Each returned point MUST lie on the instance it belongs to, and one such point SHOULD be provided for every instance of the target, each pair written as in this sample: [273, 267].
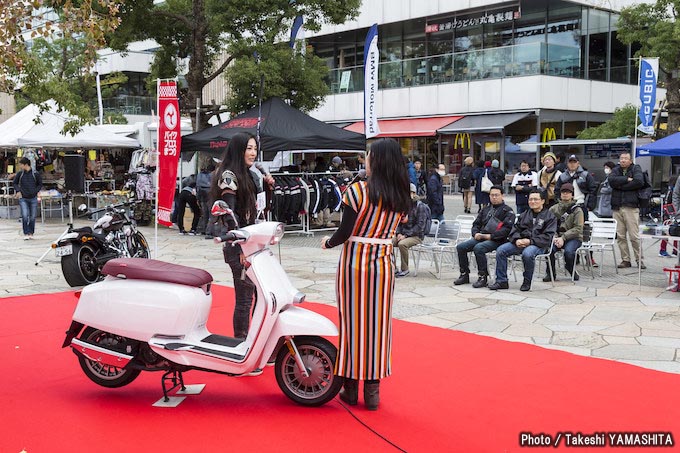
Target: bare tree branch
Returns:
[219, 70]
[183, 19]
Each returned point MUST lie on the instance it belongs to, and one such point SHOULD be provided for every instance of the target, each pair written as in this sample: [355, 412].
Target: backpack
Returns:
[465, 180]
[645, 193]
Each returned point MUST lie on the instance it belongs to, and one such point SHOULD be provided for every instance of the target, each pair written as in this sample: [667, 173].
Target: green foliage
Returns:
[622, 124]
[287, 74]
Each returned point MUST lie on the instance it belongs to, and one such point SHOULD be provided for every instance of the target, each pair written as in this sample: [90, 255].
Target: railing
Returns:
[510, 61]
[128, 105]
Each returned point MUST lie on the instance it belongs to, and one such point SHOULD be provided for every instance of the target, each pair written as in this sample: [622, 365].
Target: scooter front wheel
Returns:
[318, 356]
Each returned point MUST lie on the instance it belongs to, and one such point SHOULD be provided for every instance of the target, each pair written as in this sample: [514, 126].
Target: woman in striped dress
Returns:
[365, 278]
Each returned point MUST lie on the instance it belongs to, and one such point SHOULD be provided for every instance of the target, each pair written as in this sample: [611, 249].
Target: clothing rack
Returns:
[306, 213]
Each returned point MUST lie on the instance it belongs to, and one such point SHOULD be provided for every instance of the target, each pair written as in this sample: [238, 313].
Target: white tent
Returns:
[22, 130]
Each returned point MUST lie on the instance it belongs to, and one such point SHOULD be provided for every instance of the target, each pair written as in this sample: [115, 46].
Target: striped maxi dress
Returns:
[365, 288]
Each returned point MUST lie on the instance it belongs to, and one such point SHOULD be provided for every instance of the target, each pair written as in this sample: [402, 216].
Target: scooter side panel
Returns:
[272, 278]
[140, 309]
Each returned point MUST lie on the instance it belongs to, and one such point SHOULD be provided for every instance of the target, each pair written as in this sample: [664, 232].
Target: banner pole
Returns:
[637, 111]
[158, 168]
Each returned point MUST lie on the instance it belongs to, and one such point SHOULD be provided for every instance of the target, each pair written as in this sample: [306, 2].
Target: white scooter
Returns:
[148, 315]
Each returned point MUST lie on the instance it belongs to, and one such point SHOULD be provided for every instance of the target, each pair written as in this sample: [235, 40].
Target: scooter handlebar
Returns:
[227, 237]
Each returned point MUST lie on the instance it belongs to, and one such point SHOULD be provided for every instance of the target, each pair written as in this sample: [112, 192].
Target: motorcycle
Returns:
[84, 251]
[148, 315]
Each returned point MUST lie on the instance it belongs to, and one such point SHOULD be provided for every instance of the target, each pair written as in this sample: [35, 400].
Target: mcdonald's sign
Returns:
[462, 138]
[548, 135]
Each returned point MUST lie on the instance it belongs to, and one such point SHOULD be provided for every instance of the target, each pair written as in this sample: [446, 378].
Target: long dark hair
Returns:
[233, 159]
[389, 180]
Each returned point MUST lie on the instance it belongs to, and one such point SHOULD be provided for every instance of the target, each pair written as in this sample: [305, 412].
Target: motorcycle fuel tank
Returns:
[140, 309]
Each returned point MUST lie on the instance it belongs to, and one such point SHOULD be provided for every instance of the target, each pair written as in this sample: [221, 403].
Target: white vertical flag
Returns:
[371, 61]
[649, 71]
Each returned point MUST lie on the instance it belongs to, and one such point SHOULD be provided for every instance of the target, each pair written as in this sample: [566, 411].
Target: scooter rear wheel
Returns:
[318, 356]
[99, 373]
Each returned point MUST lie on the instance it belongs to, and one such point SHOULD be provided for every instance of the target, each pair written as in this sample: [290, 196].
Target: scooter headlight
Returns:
[278, 234]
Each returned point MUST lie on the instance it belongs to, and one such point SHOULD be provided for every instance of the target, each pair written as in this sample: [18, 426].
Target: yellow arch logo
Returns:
[548, 135]
[462, 138]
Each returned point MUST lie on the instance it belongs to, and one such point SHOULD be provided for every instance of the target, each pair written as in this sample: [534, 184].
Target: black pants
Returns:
[186, 197]
[204, 226]
[244, 289]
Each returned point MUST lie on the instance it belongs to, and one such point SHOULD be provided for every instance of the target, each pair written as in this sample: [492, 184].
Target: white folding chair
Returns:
[444, 243]
[428, 240]
[602, 238]
[465, 227]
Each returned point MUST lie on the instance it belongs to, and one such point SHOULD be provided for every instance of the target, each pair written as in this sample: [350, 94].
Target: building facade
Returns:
[490, 80]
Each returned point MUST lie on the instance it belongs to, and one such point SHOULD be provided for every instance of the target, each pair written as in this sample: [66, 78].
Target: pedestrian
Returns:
[569, 236]
[604, 201]
[489, 230]
[238, 186]
[670, 209]
[548, 176]
[435, 194]
[27, 184]
[496, 175]
[531, 235]
[481, 198]
[465, 180]
[203, 184]
[585, 186]
[187, 196]
[365, 280]
[626, 179]
[412, 232]
[523, 181]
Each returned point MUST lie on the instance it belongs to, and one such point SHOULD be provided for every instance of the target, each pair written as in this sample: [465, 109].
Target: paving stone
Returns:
[528, 330]
[668, 367]
[433, 321]
[617, 314]
[659, 341]
[483, 325]
[627, 329]
[578, 340]
[537, 303]
[635, 352]
[652, 301]
[619, 340]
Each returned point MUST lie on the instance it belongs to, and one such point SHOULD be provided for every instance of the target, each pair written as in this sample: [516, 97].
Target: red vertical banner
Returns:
[169, 141]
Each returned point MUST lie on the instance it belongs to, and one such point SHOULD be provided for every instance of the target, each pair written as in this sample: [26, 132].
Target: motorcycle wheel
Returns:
[80, 268]
[140, 247]
[318, 355]
[99, 373]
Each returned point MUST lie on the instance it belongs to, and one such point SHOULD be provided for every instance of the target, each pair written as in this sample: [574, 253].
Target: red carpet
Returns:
[450, 392]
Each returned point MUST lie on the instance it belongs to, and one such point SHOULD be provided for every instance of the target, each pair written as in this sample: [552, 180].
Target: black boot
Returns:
[526, 285]
[464, 279]
[372, 395]
[350, 392]
[481, 282]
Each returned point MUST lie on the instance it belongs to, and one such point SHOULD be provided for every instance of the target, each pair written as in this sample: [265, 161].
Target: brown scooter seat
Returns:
[160, 271]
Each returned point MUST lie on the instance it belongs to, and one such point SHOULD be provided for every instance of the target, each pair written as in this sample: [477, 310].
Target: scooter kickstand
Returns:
[177, 380]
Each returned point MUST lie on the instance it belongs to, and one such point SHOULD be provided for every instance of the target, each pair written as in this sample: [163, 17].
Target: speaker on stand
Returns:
[74, 173]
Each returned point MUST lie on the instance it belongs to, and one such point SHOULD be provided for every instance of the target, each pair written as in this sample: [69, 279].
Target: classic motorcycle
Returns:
[84, 251]
[148, 315]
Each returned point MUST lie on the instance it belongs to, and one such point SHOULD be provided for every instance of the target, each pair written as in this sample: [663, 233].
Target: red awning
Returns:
[408, 127]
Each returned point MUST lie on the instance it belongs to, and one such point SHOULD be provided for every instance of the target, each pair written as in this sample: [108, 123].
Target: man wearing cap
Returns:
[585, 187]
[335, 164]
[496, 175]
[489, 230]
[548, 176]
[412, 232]
[569, 236]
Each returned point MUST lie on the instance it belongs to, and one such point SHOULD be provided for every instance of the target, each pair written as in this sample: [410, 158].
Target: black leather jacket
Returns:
[540, 228]
[504, 220]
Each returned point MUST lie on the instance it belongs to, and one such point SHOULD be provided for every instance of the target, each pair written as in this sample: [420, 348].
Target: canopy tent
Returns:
[667, 146]
[282, 128]
[23, 130]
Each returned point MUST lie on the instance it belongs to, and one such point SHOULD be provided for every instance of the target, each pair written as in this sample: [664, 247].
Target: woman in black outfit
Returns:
[236, 185]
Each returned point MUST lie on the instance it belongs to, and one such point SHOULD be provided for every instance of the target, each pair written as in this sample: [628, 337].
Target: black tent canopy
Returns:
[282, 128]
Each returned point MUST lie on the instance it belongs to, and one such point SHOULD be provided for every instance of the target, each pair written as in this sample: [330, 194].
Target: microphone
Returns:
[262, 170]
[360, 176]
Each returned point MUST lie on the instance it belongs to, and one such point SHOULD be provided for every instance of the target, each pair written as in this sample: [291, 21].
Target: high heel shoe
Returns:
[350, 392]
[372, 395]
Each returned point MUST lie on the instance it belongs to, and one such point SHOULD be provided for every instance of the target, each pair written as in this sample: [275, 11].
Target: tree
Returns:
[23, 20]
[199, 31]
[655, 28]
[622, 124]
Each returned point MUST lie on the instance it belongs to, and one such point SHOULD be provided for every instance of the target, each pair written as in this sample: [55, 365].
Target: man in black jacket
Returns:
[412, 232]
[531, 235]
[626, 179]
[27, 184]
[489, 230]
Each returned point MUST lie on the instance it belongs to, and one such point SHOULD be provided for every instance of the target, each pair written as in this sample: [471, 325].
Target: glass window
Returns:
[390, 42]
[530, 28]
[564, 39]
[414, 39]
[598, 37]
[440, 43]
[619, 61]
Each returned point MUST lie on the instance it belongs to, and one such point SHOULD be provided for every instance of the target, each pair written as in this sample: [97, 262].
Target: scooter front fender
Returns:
[298, 321]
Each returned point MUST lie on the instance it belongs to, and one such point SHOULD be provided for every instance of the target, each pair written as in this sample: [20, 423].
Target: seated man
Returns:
[530, 236]
[489, 230]
[413, 231]
[569, 235]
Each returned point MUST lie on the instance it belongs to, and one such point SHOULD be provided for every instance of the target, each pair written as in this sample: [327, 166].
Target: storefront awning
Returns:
[494, 122]
[407, 127]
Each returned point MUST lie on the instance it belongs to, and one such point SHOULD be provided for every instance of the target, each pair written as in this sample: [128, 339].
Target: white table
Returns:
[655, 238]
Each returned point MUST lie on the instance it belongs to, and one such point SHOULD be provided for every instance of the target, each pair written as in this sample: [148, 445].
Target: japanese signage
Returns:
[168, 148]
[472, 20]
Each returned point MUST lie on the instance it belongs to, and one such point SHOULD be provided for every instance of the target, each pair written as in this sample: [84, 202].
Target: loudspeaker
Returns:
[74, 173]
